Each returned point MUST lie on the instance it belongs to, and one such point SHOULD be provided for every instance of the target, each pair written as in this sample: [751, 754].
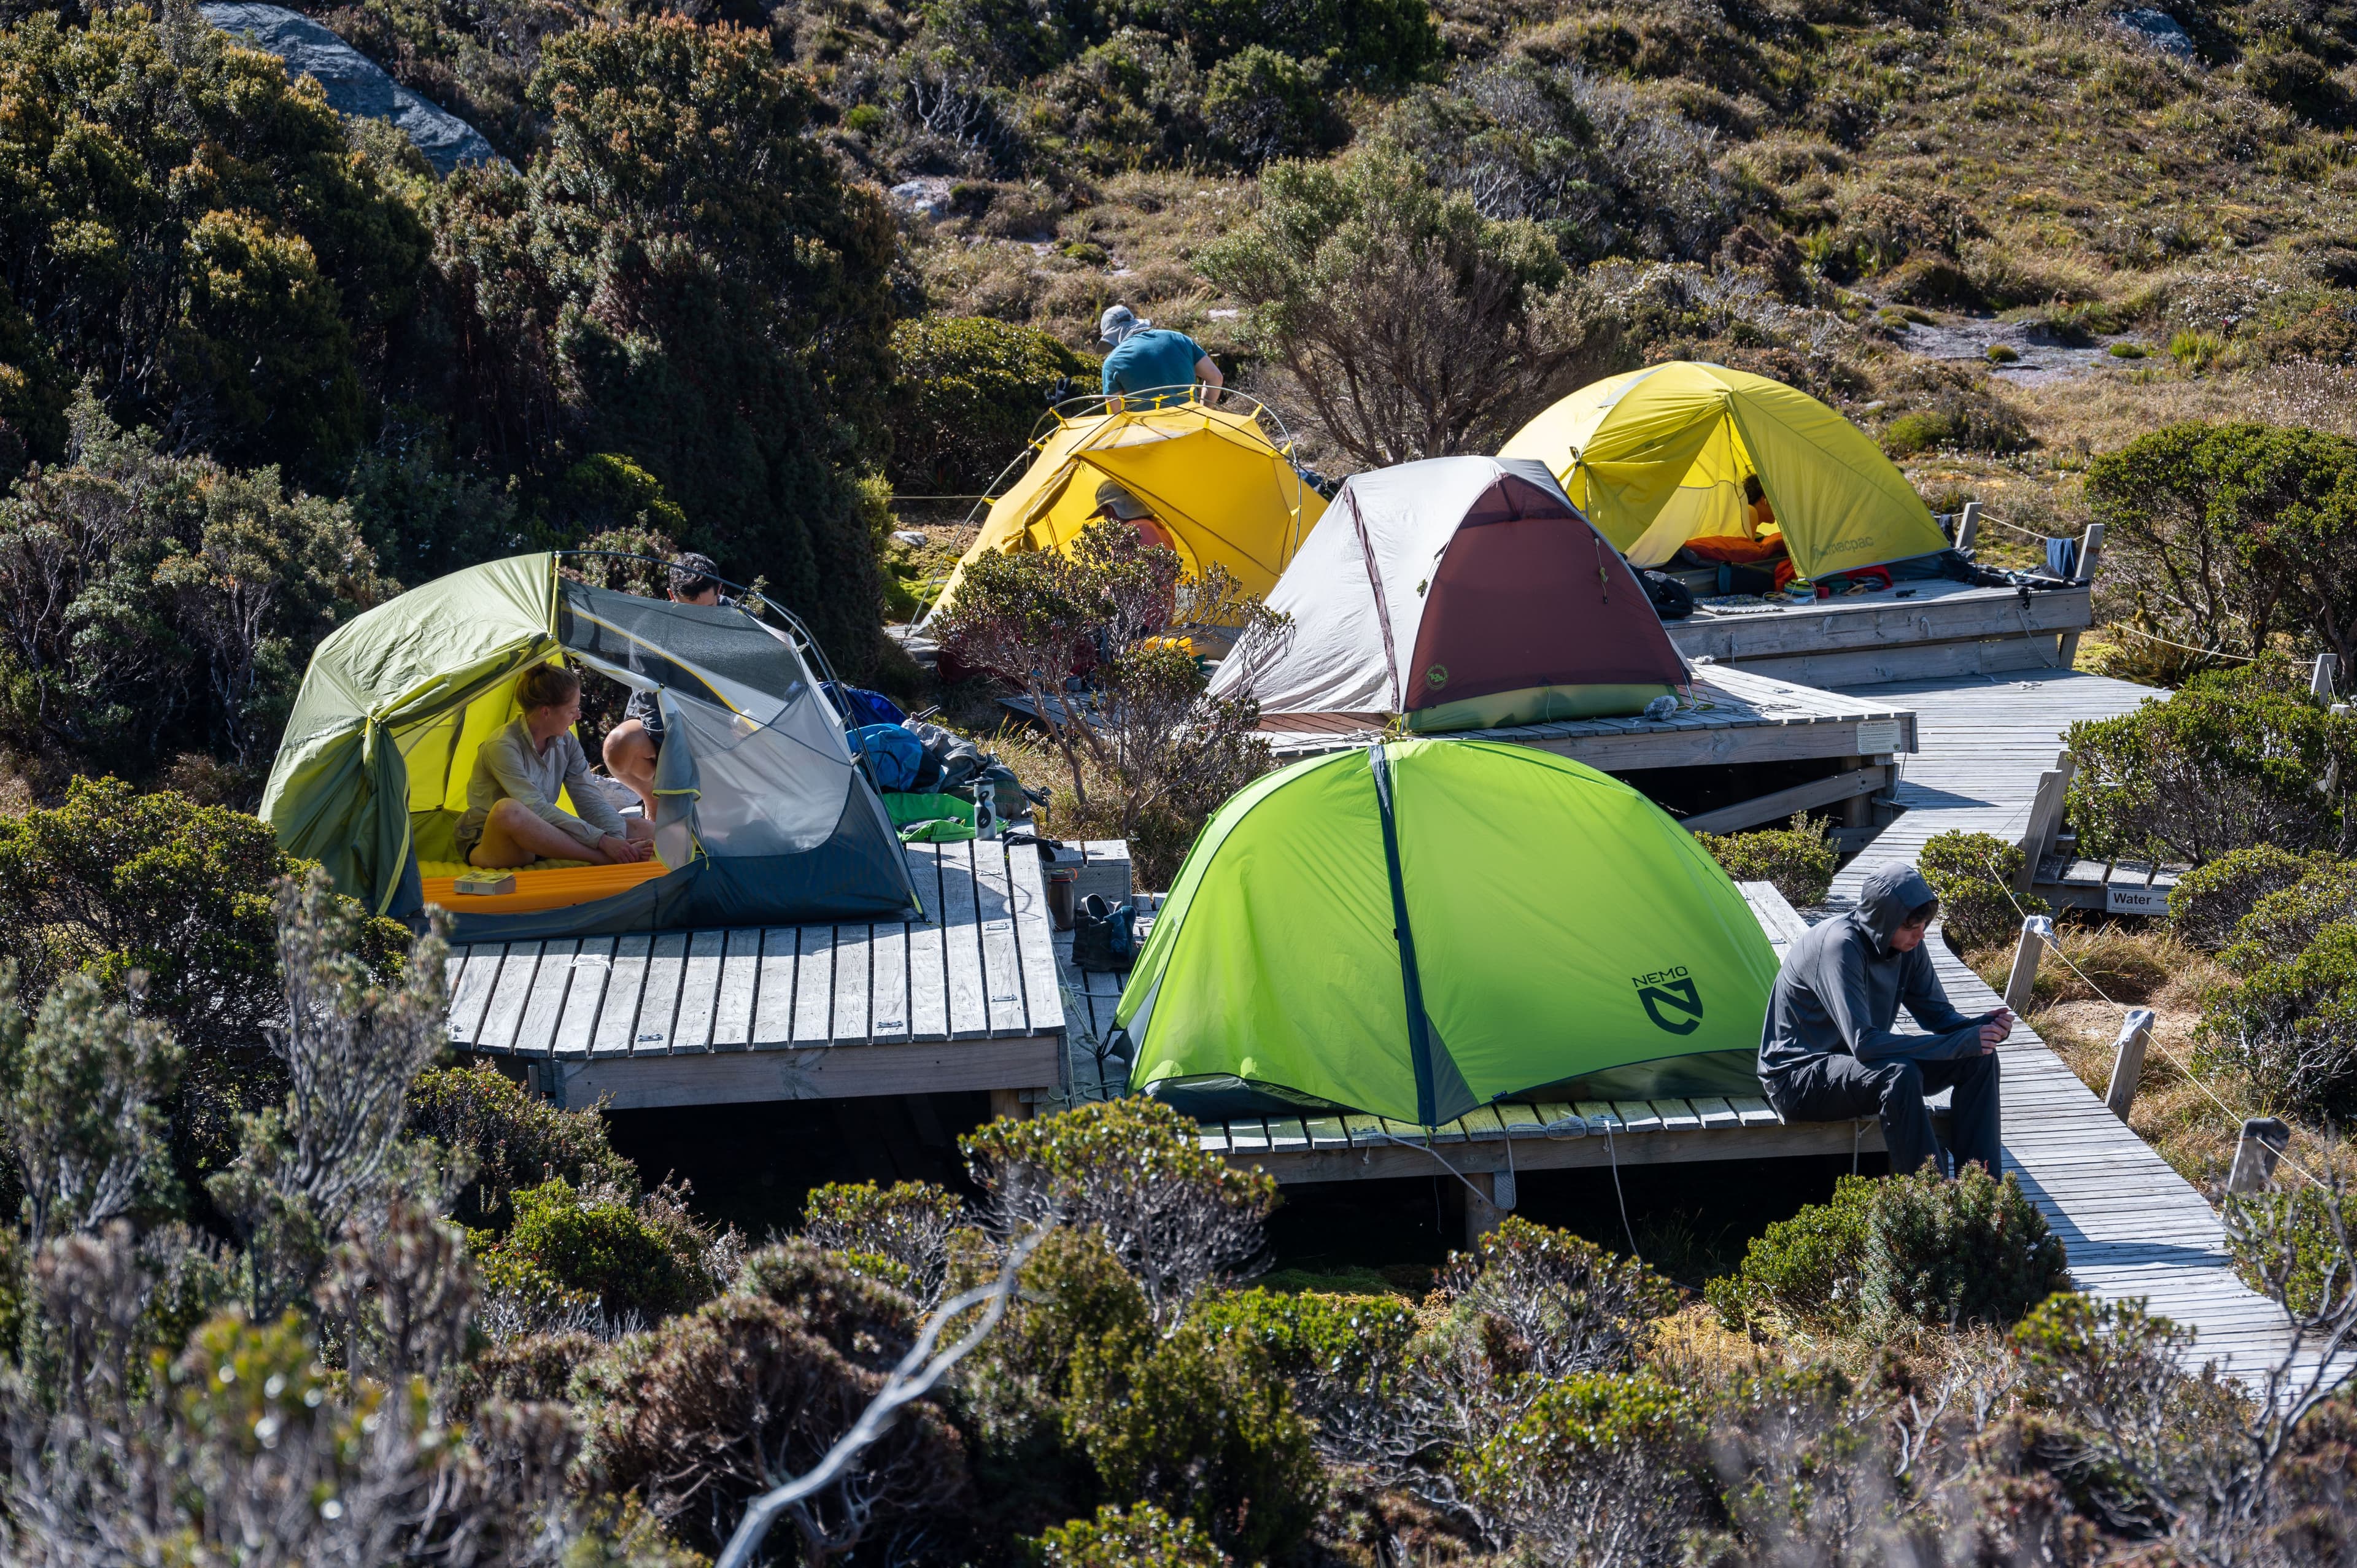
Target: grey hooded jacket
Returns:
[1842, 987]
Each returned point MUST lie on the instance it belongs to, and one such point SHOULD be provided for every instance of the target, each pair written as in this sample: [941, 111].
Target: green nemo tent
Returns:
[763, 815]
[1421, 929]
[1658, 457]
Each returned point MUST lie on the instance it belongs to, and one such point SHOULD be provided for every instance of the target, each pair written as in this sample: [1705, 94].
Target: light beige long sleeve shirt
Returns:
[509, 766]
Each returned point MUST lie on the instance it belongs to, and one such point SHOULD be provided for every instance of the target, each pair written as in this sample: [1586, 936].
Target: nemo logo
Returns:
[1437, 676]
[1672, 989]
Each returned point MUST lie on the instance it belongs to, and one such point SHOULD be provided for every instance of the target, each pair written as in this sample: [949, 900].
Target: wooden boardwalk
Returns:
[1940, 628]
[2134, 1227]
[966, 999]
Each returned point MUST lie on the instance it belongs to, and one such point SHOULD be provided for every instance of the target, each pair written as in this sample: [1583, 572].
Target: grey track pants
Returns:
[1839, 1088]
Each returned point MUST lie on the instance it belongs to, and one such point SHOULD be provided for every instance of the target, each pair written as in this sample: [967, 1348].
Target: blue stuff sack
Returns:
[896, 756]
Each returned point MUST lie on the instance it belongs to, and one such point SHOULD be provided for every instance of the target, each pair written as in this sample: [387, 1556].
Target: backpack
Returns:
[1103, 940]
[1673, 600]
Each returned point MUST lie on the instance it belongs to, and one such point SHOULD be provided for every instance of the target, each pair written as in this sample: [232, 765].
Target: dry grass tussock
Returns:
[2178, 1114]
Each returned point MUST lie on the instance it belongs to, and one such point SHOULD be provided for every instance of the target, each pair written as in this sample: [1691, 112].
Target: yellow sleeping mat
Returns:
[545, 885]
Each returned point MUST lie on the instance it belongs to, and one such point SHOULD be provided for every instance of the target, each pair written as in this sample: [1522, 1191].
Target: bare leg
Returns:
[513, 837]
[630, 757]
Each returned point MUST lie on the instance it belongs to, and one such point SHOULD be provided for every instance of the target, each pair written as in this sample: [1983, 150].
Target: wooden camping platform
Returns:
[966, 999]
[1737, 716]
[1938, 628]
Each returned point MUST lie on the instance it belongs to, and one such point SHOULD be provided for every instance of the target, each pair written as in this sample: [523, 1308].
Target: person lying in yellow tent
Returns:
[512, 817]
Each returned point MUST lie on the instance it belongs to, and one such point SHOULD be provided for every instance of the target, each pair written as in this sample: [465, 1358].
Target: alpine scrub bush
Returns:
[2290, 1024]
[2210, 901]
[2286, 922]
[967, 393]
[1313, 1336]
[1798, 860]
[1200, 1423]
[1177, 1219]
[1573, 1306]
[645, 1257]
[1599, 1469]
[2231, 761]
[1140, 1536]
[1958, 1253]
[1947, 1253]
[1972, 875]
[899, 1234]
[1805, 1268]
[511, 1138]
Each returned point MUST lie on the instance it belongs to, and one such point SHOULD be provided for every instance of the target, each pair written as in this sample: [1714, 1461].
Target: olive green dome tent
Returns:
[1658, 457]
[1428, 926]
[763, 815]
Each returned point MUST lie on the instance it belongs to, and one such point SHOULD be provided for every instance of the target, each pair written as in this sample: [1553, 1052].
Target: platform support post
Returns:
[1483, 1211]
[2326, 676]
[1008, 1104]
[2045, 819]
[2263, 1142]
[2127, 1061]
[2035, 933]
[2091, 552]
[1968, 525]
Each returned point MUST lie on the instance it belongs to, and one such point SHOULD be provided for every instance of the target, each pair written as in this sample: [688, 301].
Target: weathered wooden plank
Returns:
[1598, 1113]
[969, 1003]
[658, 1001]
[1366, 1131]
[1287, 1136]
[1522, 1121]
[1755, 1112]
[1637, 1116]
[853, 964]
[1002, 968]
[699, 990]
[1483, 1122]
[472, 993]
[773, 997]
[1212, 1137]
[739, 985]
[1716, 1113]
[617, 1020]
[1326, 1133]
[814, 984]
[888, 996]
[544, 1013]
[1677, 1116]
[510, 993]
[1043, 996]
[585, 996]
[1402, 1132]
[722, 1078]
[1247, 1136]
[929, 985]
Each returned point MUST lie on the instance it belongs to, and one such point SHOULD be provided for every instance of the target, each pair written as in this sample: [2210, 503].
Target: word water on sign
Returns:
[2134, 898]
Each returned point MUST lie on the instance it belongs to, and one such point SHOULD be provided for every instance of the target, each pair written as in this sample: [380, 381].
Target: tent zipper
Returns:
[1419, 1027]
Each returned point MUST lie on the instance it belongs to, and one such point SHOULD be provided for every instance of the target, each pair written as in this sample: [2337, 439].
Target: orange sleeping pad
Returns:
[540, 888]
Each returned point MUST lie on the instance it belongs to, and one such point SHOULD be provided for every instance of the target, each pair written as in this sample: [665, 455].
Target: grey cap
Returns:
[1112, 498]
[1118, 322]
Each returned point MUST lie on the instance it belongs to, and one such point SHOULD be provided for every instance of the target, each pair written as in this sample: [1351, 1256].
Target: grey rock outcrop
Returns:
[2158, 29]
[355, 84]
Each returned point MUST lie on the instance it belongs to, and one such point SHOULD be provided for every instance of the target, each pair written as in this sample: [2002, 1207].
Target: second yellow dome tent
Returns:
[1658, 457]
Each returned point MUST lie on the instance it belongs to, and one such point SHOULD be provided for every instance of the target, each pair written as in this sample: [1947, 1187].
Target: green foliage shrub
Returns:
[194, 230]
[81, 1098]
[750, 365]
[648, 1257]
[1130, 1171]
[1567, 1305]
[1972, 875]
[700, 1414]
[1798, 860]
[1260, 104]
[1344, 1339]
[1947, 1253]
[511, 1138]
[1140, 1536]
[1365, 43]
[2289, 1023]
[156, 605]
[2235, 759]
[899, 1234]
[1958, 1253]
[1200, 1423]
[2286, 922]
[1806, 1268]
[966, 393]
[2226, 535]
[2210, 901]
[1596, 1462]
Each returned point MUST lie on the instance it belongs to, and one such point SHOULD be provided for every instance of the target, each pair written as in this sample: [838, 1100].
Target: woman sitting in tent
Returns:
[512, 817]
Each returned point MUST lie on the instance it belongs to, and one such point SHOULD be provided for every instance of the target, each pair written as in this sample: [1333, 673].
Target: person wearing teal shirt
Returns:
[1147, 359]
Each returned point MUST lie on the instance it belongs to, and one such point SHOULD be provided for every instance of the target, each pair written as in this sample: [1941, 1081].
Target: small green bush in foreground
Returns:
[1972, 875]
[1141, 1535]
[1798, 860]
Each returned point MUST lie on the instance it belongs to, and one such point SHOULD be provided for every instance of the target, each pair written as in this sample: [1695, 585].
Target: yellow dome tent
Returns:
[1210, 476]
[1659, 457]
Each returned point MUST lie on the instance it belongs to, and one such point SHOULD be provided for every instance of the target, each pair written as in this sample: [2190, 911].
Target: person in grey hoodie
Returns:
[1828, 1052]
